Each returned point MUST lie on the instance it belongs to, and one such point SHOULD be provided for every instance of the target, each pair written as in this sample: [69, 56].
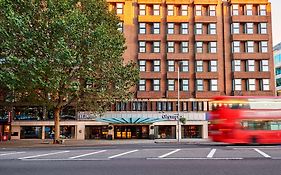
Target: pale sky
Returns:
[276, 21]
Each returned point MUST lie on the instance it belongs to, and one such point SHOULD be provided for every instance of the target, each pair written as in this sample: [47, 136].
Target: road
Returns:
[143, 160]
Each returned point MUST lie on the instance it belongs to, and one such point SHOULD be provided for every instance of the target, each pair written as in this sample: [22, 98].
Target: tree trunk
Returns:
[57, 123]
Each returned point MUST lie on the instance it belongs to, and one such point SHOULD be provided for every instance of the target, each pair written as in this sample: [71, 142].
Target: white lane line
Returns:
[195, 158]
[211, 153]
[64, 159]
[11, 153]
[88, 154]
[172, 152]
[262, 153]
[118, 155]
[41, 155]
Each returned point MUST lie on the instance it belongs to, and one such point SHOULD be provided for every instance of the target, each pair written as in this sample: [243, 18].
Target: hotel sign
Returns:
[170, 116]
[87, 115]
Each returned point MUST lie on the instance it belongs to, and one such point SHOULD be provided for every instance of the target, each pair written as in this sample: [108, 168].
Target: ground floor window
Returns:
[96, 132]
[31, 132]
[131, 132]
[66, 132]
[165, 132]
[191, 131]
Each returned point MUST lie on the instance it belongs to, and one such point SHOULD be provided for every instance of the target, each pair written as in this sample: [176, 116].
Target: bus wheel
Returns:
[254, 140]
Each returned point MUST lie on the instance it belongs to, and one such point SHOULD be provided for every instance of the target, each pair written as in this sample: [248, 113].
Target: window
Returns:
[198, 28]
[212, 47]
[156, 85]
[249, 28]
[265, 84]
[156, 28]
[141, 85]
[183, 66]
[199, 47]
[171, 47]
[237, 84]
[156, 65]
[250, 65]
[156, 10]
[142, 10]
[170, 9]
[119, 8]
[198, 10]
[184, 28]
[235, 28]
[251, 84]
[184, 85]
[156, 47]
[120, 26]
[184, 10]
[142, 48]
[262, 10]
[199, 66]
[249, 46]
[262, 28]
[184, 47]
[142, 65]
[235, 46]
[236, 65]
[249, 10]
[212, 29]
[263, 46]
[171, 28]
[212, 10]
[171, 66]
[235, 10]
[214, 85]
[171, 85]
[199, 85]
[264, 66]
[213, 66]
[142, 28]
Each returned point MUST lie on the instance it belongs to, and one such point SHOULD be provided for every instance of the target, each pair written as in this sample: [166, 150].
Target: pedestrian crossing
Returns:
[223, 153]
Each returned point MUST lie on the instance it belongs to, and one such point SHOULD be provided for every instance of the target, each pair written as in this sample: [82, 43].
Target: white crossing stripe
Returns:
[262, 153]
[211, 153]
[172, 152]
[41, 155]
[88, 154]
[5, 154]
[118, 155]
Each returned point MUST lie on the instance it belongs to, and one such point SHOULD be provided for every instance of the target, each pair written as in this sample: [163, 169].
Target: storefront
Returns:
[192, 131]
[30, 132]
[66, 132]
[165, 132]
[96, 132]
[131, 132]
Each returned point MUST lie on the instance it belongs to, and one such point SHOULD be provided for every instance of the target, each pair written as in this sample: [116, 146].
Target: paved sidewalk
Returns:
[80, 143]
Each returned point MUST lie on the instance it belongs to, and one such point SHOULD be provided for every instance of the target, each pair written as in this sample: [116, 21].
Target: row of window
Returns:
[211, 84]
[249, 28]
[199, 10]
[250, 65]
[249, 46]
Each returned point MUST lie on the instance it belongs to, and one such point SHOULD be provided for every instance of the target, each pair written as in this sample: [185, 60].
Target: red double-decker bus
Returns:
[245, 120]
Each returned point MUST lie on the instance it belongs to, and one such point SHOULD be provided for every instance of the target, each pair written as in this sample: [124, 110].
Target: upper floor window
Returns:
[184, 85]
[198, 10]
[171, 85]
[214, 85]
[171, 46]
[142, 85]
[198, 28]
[250, 65]
[213, 66]
[119, 8]
[236, 65]
[120, 26]
[184, 28]
[212, 10]
[156, 28]
[237, 84]
[199, 47]
[235, 28]
[156, 65]
[171, 28]
[142, 46]
[263, 47]
[156, 47]
[184, 10]
[262, 10]
[235, 46]
[142, 65]
[212, 29]
[142, 11]
[184, 47]
[156, 9]
[262, 28]
[235, 10]
[249, 28]
[250, 47]
[265, 84]
[264, 67]
[249, 10]
[213, 47]
[199, 85]
[142, 28]
[170, 9]
[171, 66]
[251, 84]
[156, 85]
[184, 66]
[199, 66]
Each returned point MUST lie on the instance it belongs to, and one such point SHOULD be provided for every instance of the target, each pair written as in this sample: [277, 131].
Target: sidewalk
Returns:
[86, 143]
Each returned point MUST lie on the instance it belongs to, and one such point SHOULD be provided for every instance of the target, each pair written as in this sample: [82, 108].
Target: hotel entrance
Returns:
[131, 132]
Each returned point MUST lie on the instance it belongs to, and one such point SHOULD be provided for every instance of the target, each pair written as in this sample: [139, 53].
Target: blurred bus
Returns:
[245, 120]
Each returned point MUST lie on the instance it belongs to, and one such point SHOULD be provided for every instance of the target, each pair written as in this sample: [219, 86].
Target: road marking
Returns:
[262, 153]
[83, 155]
[64, 159]
[172, 152]
[118, 155]
[211, 153]
[11, 153]
[195, 158]
[41, 155]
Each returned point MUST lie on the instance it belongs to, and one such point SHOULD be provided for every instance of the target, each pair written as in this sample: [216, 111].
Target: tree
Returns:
[63, 52]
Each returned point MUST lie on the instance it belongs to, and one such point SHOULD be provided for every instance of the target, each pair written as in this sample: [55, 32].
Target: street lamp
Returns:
[178, 121]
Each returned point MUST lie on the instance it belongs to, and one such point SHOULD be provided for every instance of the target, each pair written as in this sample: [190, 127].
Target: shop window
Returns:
[191, 131]
[31, 132]
[165, 132]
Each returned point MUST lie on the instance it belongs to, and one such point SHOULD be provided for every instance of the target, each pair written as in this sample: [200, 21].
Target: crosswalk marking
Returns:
[211, 153]
[118, 155]
[88, 154]
[169, 153]
[262, 153]
[41, 155]
[11, 153]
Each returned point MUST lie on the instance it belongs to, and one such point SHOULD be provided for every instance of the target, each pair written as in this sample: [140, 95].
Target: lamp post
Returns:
[178, 120]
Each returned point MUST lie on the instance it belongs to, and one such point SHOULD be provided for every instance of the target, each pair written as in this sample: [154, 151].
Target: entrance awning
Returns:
[130, 120]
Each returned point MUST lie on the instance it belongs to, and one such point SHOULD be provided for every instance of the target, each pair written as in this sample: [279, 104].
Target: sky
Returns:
[276, 21]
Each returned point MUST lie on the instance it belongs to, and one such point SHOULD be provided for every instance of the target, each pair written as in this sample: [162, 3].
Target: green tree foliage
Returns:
[61, 52]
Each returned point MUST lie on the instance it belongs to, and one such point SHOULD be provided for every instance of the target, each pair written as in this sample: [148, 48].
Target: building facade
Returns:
[277, 64]
[188, 51]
